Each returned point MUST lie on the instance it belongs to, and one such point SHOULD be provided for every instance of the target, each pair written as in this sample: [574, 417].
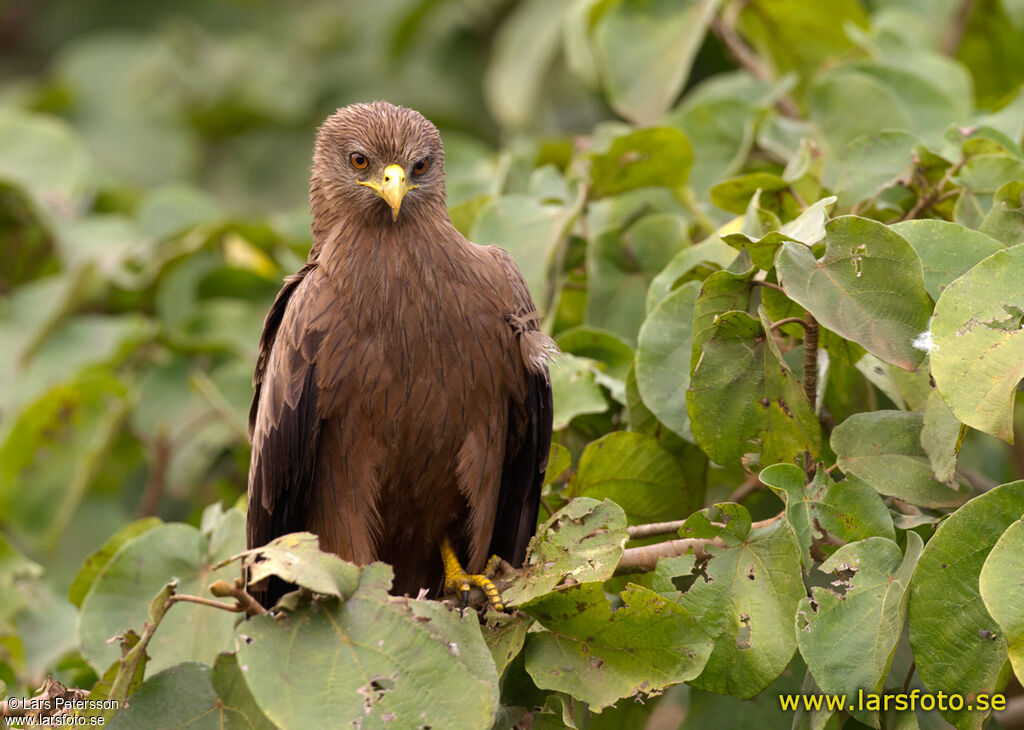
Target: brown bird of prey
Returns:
[403, 408]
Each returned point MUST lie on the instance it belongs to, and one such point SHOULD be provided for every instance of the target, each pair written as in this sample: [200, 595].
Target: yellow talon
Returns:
[456, 579]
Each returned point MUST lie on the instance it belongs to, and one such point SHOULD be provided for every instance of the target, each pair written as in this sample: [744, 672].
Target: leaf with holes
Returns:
[978, 334]
[848, 630]
[600, 655]
[581, 542]
[868, 287]
[746, 598]
[372, 657]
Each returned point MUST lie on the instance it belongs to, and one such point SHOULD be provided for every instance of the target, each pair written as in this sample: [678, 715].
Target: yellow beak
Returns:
[392, 187]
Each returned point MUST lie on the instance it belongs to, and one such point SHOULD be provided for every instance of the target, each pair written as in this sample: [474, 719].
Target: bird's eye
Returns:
[420, 167]
[358, 160]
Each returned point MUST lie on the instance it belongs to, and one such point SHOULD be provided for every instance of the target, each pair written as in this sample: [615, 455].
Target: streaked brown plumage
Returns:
[402, 388]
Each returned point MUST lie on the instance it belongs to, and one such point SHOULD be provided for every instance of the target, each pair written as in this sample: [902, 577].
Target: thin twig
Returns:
[643, 559]
[788, 320]
[725, 30]
[180, 597]
[768, 285]
[637, 532]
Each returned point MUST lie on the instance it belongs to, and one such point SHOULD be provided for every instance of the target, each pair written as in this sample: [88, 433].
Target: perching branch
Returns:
[643, 559]
[810, 325]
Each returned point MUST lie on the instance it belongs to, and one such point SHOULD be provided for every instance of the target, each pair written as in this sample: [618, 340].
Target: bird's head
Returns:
[379, 161]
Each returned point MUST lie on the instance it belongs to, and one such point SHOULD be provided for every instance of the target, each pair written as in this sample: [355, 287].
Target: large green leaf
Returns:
[712, 251]
[868, 287]
[946, 249]
[599, 654]
[848, 630]
[742, 399]
[524, 48]
[42, 154]
[884, 449]
[1002, 590]
[825, 512]
[958, 647]
[978, 355]
[658, 156]
[746, 600]
[407, 662]
[663, 358]
[620, 266]
[117, 600]
[635, 472]
[191, 695]
[644, 79]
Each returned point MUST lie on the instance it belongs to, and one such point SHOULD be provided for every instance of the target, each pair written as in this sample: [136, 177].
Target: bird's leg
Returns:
[456, 579]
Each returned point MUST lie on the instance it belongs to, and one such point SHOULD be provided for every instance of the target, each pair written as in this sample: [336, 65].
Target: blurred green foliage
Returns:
[672, 177]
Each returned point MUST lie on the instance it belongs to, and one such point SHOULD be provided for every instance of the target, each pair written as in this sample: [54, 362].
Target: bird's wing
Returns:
[529, 427]
[283, 422]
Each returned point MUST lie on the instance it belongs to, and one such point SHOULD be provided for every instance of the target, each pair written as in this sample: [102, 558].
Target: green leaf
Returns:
[574, 388]
[297, 558]
[663, 356]
[742, 399]
[1005, 221]
[807, 228]
[101, 556]
[847, 103]
[620, 266]
[635, 472]
[186, 696]
[978, 355]
[848, 630]
[42, 154]
[869, 164]
[884, 449]
[413, 662]
[1003, 591]
[868, 287]
[644, 79]
[947, 250]
[735, 194]
[941, 434]
[958, 646]
[658, 156]
[173, 209]
[721, 292]
[522, 52]
[583, 541]
[824, 511]
[721, 131]
[528, 230]
[747, 602]
[613, 354]
[711, 251]
[799, 36]
[505, 636]
[600, 655]
[118, 597]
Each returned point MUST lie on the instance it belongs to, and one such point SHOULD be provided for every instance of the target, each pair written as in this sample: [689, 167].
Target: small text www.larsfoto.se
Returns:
[871, 702]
